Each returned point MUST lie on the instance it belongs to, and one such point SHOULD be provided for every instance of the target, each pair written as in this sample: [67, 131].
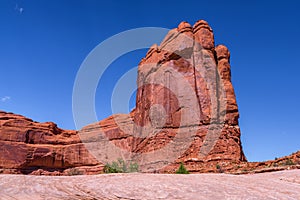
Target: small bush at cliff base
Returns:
[289, 162]
[121, 166]
[219, 168]
[182, 170]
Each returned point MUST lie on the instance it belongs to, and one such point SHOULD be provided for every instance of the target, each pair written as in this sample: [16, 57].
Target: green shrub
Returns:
[133, 167]
[289, 162]
[219, 168]
[120, 166]
[182, 169]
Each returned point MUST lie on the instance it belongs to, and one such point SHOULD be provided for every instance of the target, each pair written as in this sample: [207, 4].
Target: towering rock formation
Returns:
[186, 111]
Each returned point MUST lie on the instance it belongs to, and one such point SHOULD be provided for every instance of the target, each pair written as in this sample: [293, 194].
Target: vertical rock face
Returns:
[184, 85]
[186, 111]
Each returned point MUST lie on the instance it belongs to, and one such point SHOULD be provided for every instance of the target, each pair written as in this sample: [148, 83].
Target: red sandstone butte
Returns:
[186, 111]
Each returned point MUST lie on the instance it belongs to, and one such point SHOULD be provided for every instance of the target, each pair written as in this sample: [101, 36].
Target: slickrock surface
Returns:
[275, 185]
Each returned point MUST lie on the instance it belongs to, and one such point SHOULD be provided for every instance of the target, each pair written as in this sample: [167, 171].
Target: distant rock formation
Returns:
[186, 111]
[31, 147]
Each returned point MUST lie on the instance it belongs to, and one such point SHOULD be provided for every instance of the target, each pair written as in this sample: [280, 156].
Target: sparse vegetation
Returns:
[275, 165]
[74, 171]
[289, 162]
[182, 169]
[238, 167]
[120, 166]
[219, 168]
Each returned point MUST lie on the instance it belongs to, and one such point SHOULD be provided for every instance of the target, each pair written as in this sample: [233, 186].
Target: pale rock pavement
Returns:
[274, 185]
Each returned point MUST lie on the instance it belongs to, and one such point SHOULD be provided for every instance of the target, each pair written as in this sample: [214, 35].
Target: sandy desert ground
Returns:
[274, 185]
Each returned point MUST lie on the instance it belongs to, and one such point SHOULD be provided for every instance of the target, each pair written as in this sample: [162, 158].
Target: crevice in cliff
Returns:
[28, 140]
[217, 86]
[195, 81]
[27, 137]
[53, 157]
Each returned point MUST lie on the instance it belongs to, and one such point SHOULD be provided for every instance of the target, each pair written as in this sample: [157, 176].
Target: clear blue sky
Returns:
[43, 44]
